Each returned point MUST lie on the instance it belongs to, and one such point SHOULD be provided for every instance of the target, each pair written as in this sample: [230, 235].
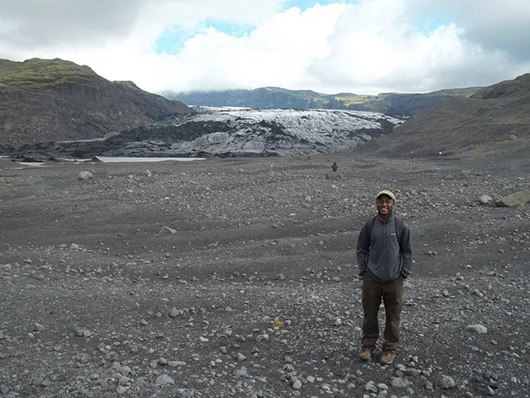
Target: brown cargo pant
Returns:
[392, 295]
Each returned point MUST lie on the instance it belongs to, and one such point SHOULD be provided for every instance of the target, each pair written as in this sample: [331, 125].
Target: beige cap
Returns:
[387, 193]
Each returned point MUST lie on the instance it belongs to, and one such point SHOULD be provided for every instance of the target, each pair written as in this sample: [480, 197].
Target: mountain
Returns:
[47, 106]
[231, 132]
[44, 100]
[279, 98]
[493, 122]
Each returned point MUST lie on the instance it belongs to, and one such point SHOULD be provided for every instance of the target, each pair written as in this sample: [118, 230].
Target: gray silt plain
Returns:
[237, 278]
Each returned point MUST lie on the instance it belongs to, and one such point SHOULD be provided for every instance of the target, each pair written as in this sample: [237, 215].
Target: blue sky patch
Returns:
[173, 39]
[305, 4]
[430, 23]
[229, 28]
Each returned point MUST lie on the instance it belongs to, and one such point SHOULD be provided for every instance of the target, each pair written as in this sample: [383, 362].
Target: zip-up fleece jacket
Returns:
[381, 253]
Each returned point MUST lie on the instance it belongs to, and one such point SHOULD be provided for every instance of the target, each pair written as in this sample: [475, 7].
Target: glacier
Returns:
[262, 132]
[229, 132]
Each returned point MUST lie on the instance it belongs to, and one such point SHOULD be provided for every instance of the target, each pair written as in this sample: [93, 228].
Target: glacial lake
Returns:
[108, 159]
[105, 159]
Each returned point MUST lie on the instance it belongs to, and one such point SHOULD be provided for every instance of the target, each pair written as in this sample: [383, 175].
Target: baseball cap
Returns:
[387, 193]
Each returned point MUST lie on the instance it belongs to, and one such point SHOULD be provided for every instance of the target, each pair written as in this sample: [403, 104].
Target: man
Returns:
[384, 254]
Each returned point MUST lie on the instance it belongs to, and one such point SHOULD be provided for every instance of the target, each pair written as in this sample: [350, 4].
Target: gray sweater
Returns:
[381, 253]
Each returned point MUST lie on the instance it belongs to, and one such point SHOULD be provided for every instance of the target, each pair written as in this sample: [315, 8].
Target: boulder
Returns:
[485, 200]
[446, 382]
[333, 175]
[477, 329]
[515, 199]
[167, 230]
[85, 175]
[400, 382]
[164, 380]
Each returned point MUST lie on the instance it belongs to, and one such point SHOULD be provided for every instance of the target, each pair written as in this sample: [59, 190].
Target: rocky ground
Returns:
[237, 278]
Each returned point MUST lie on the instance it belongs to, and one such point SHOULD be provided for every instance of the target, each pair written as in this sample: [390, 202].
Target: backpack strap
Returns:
[398, 223]
[369, 226]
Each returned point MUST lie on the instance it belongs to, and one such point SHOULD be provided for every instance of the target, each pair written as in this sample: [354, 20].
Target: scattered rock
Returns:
[297, 384]
[485, 200]
[173, 313]
[370, 387]
[176, 364]
[333, 175]
[477, 329]
[399, 382]
[85, 175]
[167, 230]
[38, 327]
[83, 332]
[285, 302]
[164, 380]
[446, 382]
[184, 393]
[241, 372]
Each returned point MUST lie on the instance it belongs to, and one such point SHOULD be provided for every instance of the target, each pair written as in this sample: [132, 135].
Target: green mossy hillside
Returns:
[35, 73]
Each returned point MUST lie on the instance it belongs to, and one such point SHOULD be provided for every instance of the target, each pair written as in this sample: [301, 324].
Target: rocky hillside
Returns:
[279, 98]
[49, 100]
[517, 89]
[495, 121]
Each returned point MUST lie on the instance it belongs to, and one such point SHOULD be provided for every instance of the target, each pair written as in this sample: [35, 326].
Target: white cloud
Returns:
[276, 53]
[57, 23]
[367, 46]
[379, 46]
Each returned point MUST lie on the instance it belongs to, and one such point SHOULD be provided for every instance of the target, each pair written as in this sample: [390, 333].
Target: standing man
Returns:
[384, 254]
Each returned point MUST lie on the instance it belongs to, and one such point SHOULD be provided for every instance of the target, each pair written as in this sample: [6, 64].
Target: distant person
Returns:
[384, 254]
[333, 174]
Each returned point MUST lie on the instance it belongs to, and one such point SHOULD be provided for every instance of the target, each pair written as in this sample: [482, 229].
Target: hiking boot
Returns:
[365, 355]
[387, 358]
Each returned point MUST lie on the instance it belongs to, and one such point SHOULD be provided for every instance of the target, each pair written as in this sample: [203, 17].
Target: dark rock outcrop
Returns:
[50, 100]
[516, 89]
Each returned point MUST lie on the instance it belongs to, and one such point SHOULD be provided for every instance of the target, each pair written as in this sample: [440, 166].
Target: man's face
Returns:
[385, 204]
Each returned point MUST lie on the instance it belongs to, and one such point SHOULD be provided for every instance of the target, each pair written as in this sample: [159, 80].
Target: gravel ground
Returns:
[238, 278]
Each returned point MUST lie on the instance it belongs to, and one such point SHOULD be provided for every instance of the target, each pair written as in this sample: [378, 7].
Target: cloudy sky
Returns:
[330, 46]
